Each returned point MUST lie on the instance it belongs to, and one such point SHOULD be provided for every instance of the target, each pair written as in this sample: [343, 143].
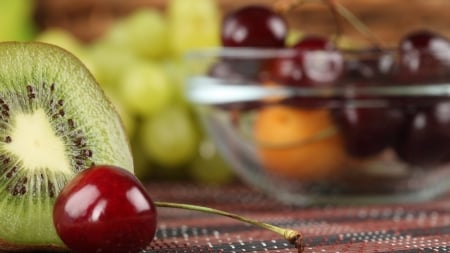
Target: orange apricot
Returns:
[299, 143]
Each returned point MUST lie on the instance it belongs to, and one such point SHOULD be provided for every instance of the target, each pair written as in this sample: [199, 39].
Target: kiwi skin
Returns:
[48, 96]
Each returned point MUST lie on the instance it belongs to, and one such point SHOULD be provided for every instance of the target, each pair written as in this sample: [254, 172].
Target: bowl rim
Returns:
[204, 89]
[213, 91]
[261, 53]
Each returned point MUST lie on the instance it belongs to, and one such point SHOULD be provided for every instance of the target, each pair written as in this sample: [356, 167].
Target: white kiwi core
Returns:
[37, 146]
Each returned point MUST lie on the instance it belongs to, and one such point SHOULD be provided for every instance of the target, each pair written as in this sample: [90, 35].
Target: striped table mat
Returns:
[399, 228]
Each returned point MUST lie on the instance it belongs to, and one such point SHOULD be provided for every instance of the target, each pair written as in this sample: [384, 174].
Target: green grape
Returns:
[208, 167]
[193, 24]
[128, 121]
[66, 40]
[176, 71]
[143, 169]
[143, 33]
[16, 20]
[147, 33]
[116, 36]
[61, 38]
[145, 88]
[110, 61]
[170, 139]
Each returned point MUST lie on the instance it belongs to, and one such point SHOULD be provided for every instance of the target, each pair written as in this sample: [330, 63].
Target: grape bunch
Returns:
[138, 61]
[415, 128]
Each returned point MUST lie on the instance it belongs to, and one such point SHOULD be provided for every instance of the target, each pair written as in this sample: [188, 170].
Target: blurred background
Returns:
[134, 48]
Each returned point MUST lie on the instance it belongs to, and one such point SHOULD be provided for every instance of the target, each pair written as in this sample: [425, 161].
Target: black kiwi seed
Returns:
[6, 160]
[71, 124]
[51, 189]
[11, 172]
[31, 92]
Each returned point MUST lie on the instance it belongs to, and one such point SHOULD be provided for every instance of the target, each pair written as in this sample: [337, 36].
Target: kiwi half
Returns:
[55, 121]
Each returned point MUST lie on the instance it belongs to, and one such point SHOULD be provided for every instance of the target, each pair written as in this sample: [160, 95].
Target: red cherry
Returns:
[254, 26]
[424, 57]
[315, 64]
[367, 131]
[322, 64]
[426, 139]
[314, 42]
[105, 209]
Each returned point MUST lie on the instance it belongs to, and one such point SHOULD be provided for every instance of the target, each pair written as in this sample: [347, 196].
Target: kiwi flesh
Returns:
[55, 121]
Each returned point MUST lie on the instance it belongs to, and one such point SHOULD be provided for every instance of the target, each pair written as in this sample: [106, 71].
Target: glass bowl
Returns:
[328, 126]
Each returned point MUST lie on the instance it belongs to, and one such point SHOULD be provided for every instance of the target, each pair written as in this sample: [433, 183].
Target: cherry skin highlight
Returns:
[254, 26]
[424, 57]
[105, 209]
[316, 64]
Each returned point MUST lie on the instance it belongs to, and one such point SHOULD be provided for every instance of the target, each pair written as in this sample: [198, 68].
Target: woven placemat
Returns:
[406, 228]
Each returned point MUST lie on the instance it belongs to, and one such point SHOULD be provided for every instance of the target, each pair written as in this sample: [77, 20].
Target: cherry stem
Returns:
[356, 22]
[336, 8]
[294, 237]
[287, 5]
[338, 25]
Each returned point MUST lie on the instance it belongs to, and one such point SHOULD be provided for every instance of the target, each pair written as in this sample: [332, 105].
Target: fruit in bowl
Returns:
[299, 143]
[313, 122]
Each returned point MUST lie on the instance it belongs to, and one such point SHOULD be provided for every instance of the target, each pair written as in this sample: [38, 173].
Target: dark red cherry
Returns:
[321, 63]
[284, 70]
[424, 57]
[254, 26]
[426, 141]
[423, 40]
[314, 42]
[367, 131]
[105, 209]
[322, 68]
[313, 63]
